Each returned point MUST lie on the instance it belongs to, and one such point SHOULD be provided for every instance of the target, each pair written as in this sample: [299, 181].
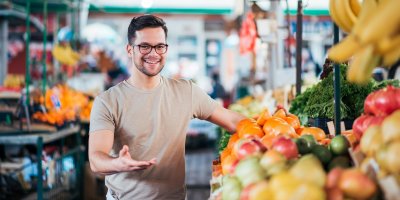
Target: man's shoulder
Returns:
[112, 91]
[177, 82]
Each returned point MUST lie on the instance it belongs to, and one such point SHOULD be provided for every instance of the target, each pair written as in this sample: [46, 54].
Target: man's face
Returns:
[150, 63]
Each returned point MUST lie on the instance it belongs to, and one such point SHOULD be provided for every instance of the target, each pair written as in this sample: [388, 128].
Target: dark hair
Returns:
[145, 21]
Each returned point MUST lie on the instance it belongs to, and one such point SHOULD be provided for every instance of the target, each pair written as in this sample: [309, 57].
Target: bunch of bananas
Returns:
[65, 55]
[373, 38]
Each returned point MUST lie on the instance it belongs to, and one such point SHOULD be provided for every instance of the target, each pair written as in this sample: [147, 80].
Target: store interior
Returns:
[311, 77]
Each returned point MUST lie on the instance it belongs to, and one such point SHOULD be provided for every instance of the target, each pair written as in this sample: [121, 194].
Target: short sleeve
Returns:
[202, 104]
[101, 117]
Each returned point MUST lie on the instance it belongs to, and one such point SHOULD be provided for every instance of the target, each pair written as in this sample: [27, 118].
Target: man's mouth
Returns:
[151, 61]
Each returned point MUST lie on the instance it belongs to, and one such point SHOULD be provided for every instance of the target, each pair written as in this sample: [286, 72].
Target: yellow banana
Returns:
[391, 57]
[384, 21]
[387, 44]
[342, 51]
[355, 6]
[367, 8]
[343, 8]
[362, 65]
[334, 15]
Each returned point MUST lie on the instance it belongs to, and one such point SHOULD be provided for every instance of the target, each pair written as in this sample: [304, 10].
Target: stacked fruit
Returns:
[373, 35]
[379, 130]
[63, 104]
[274, 157]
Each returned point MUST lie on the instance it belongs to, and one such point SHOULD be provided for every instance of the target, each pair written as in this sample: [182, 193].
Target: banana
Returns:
[334, 15]
[391, 57]
[384, 22]
[367, 8]
[387, 44]
[343, 8]
[362, 65]
[355, 7]
[342, 51]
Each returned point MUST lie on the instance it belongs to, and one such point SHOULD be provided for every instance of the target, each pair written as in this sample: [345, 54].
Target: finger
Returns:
[138, 168]
[153, 161]
[124, 150]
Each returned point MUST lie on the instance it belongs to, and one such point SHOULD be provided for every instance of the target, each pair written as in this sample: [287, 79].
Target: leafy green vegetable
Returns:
[384, 83]
[223, 141]
[318, 101]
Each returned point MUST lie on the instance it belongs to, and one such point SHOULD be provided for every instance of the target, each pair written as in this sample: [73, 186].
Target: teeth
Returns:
[151, 61]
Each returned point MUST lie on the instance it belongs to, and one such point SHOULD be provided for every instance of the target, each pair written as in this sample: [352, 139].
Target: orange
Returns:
[325, 141]
[298, 130]
[318, 133]
[232, 140]
[294, 122]
[251, 130]
[281, 113]
[267, 141]
[228, 165]
[263, 117]
[244, 122]
[351, 137]
[277, 126]
[225, 153]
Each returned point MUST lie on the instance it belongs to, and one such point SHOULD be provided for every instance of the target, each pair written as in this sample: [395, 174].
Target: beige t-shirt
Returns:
[153, 124]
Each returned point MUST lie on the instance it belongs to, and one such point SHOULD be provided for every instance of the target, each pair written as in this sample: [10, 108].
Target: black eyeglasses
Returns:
[145, 48]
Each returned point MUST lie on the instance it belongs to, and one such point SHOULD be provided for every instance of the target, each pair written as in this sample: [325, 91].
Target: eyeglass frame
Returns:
[151, 48]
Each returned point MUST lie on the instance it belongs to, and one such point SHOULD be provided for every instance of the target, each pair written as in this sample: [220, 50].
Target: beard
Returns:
[141, 67]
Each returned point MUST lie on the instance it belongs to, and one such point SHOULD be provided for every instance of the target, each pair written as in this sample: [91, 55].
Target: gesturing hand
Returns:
[126, 163]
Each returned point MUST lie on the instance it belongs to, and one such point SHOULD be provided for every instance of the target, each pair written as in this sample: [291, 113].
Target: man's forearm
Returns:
[102, 163]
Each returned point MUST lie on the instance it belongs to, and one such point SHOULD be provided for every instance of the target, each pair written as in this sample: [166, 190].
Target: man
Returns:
[138, 127]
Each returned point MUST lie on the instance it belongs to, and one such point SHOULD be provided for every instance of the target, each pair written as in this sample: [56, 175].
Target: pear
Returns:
[231, 188]
[309, 169]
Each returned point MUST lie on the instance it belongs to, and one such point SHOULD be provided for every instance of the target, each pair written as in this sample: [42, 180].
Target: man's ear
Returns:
[129, 50]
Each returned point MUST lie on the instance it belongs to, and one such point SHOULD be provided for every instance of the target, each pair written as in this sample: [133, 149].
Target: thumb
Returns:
[124, 150]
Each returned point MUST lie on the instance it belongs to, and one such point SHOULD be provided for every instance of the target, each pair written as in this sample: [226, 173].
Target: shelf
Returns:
[58, 193]
[33, 138]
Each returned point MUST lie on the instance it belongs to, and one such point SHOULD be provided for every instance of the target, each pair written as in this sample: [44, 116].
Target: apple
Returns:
[332, 180]
[334, 194]
[248, 147]
[357, 185]
[286, 147]
[271, 158]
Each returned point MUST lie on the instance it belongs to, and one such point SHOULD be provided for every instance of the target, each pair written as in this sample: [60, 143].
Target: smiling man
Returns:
[138, 127]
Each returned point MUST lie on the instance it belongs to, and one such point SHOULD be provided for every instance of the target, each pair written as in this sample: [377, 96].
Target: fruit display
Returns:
[379, 131]
[373, 35]
[62, 104]
[274, 157]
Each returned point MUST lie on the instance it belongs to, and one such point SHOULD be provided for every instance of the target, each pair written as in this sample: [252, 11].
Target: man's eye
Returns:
[160, 46]
[145, 47]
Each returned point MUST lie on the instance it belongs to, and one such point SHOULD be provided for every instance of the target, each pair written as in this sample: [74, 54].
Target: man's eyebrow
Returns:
[145, 43]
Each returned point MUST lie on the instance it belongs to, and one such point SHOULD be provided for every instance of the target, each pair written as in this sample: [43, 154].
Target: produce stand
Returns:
[59, 186]
[363, 154]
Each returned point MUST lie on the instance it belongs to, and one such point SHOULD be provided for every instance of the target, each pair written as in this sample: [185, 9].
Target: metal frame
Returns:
[39, 139]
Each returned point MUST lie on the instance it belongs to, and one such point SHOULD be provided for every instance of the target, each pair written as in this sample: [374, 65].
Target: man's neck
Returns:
[145, 82]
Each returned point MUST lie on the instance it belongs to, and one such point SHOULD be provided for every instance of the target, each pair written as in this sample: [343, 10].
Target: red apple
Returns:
[248, 147]
[356, 185]
[286, 147]
[334, 194]
[332, 180]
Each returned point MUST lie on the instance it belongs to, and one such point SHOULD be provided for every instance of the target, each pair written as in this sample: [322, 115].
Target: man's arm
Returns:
[225, 118]
[100, 144]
